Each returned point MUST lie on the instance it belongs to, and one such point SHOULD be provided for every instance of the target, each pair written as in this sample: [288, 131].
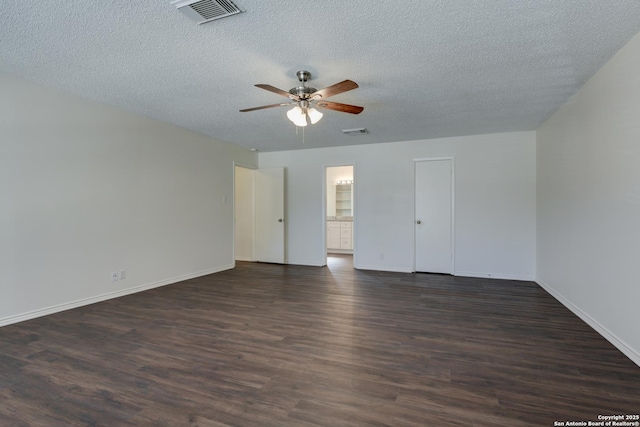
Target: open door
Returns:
[269, 215]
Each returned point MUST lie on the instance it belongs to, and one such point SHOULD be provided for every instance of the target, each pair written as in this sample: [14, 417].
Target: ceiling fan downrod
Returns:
[303, 76]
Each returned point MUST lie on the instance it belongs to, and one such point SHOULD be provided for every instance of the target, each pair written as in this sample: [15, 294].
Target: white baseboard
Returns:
[494, 276]
[606, 333]
[241, 258]
[384, 268]
[98, 298]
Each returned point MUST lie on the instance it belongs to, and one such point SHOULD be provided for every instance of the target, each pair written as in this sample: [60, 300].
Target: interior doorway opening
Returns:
[259, 215]
[339, 215]
[243, 220]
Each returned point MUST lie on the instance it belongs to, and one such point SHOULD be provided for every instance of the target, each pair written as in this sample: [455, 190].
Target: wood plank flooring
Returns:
[272, 345]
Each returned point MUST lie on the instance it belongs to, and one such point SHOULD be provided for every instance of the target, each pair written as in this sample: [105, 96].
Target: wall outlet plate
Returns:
[123, 274]
[114, 276]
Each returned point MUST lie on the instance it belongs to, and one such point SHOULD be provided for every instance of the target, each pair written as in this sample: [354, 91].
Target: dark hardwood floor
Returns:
[273, 345]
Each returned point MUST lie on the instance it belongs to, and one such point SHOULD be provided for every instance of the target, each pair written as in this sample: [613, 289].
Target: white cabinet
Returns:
[333, 234]
[340, 235]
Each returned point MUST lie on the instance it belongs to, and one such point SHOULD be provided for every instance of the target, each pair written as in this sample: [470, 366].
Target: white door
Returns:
[433, 221]
[269, 214]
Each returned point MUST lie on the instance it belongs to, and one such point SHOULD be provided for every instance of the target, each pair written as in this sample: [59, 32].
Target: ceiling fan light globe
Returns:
[301, 121]
[314, 115]
[295, 113]
[297, 116]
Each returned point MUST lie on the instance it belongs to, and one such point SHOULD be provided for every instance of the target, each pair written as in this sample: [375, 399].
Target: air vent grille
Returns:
[358, 131]
[203, 11]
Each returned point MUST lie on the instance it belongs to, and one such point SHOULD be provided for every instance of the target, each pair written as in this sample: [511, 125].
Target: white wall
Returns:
[494, 196]
[86, 189]
[589, 201]
[244, 214]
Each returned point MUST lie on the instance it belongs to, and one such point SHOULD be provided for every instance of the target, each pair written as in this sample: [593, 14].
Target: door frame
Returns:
[324, 211]
[453, 208]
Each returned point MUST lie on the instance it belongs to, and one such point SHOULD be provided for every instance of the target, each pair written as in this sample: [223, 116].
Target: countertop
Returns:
[339, 218]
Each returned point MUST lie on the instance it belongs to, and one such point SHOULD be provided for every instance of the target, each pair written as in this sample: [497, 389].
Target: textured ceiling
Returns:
[426, 68]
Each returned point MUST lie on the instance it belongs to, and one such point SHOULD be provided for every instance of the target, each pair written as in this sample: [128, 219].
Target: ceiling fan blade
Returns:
[343, 108]
[265, 106]
[334, 89]
[277, 91]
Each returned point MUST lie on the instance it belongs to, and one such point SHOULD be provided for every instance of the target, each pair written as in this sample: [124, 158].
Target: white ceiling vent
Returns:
[203, 11]
[358, 131]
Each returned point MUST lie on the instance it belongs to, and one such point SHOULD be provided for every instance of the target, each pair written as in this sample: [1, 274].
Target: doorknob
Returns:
[418, 222]
[279, 219]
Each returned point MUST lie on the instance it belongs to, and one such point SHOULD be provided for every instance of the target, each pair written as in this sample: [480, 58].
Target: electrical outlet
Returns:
[123, 274]
[381, 255]
[114, 276]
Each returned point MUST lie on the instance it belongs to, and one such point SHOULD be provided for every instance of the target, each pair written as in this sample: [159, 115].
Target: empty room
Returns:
[277, 213]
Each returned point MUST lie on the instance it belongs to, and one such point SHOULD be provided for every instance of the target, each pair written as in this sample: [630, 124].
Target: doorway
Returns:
[243, 220]
[259, 215]
[434, 214]
[339, 215]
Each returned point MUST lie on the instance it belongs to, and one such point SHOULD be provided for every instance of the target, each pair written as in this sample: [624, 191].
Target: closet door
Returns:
[433, 216]
[269, 214]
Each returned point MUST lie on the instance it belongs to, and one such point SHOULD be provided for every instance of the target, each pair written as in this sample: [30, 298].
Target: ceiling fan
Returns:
[305, 98]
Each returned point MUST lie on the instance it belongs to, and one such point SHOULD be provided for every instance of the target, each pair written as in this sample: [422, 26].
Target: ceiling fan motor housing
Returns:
[302, 92]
